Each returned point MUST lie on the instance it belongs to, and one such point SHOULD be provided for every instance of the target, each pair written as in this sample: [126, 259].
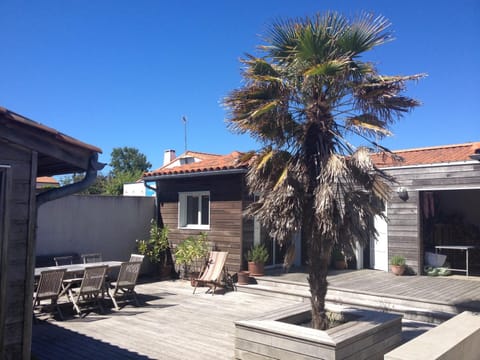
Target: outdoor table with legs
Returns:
[77, 269]
[461, 248]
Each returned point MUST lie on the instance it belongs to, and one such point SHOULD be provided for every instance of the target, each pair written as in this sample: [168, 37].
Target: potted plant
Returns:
[397, 264]
[339, 259]
[257, 256]
[191, 254]
[243, 277]
[155, 249]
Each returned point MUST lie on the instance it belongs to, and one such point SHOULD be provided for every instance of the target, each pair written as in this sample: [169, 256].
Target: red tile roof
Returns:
[47, 180]
[208, 162]
[429, 155]
[235, 160]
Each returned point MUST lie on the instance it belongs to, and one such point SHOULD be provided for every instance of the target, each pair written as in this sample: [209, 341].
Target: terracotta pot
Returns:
[256, 269]
[340, 264]
[397, 269]
[243, 278]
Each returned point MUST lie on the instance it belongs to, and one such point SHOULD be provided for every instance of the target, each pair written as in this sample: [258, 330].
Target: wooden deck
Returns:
[457, 291]
[172, 323]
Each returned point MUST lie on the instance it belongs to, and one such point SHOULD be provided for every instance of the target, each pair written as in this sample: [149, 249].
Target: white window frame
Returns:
[182, 210]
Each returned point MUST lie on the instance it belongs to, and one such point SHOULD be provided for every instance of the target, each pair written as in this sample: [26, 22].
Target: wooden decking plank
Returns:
[199, 326]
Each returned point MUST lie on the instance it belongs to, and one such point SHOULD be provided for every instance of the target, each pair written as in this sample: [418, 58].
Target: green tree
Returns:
[97, 188]
[305, 100]
[114, 183]
[128, 160]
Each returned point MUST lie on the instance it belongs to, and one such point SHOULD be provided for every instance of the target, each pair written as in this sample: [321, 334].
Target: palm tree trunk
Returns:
[319, 259]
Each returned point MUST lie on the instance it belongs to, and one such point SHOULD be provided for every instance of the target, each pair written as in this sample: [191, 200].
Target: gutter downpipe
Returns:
[158, 218]
[90, 176]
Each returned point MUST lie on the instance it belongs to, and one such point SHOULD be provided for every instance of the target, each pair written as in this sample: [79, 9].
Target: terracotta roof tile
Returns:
[429, 155]
[47, 180]
[207, 162]
[234, 160]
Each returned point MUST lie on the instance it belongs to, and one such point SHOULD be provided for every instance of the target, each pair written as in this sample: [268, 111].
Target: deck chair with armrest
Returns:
[213, 272]
[49, 288]
[91, 258]
[70, 278]
[63, 260]
[91, 289]
[136, 258]
[126, 281]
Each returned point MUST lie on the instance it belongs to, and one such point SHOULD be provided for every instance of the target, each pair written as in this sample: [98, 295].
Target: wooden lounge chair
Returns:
[91, 258]
[136, 258]
[49, 288]
[126, 281]
[214, 271]
[91, 289]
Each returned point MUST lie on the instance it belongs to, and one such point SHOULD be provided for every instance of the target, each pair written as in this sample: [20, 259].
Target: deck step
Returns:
[411, 309]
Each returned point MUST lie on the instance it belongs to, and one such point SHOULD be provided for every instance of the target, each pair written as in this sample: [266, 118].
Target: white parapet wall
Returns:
[457, 338]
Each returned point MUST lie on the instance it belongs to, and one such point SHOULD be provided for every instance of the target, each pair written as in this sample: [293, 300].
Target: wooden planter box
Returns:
[369, 335]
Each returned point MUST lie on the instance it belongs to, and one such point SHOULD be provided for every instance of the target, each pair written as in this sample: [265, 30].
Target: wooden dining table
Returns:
[78, 268]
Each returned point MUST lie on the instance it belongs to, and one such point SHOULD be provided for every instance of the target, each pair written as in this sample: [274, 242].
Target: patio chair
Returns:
[214, 271]
[126, 281]
[63, 260]
[91, 258]
[49, 288]
[136, 258]
[91, 289]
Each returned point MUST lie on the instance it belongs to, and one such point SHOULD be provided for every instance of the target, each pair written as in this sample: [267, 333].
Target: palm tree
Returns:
[306, 100]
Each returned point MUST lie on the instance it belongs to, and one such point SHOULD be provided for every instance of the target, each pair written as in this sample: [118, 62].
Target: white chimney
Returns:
[168, 156]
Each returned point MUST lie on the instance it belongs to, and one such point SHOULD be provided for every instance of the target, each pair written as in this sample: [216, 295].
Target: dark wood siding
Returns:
[225, 231]
[404, 230]
[16, 312]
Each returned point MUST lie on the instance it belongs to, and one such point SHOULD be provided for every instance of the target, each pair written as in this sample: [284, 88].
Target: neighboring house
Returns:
[138, 188]
[436, 202]
[45, 182]
[206, 192]
[29, 150]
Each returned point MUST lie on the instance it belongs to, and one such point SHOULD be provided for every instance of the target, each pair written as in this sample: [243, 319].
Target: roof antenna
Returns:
[184, 118]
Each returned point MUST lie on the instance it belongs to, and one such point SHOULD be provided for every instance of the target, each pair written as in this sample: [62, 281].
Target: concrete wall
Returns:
[457, 338]
[90, 224]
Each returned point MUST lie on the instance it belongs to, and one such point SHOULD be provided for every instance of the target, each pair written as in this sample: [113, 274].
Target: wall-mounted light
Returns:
[402, 193]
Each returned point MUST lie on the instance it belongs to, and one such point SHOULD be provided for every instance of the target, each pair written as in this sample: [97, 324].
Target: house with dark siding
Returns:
[207, 192]
[29, 150]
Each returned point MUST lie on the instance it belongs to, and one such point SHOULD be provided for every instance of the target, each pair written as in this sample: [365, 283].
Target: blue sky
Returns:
[117, 73]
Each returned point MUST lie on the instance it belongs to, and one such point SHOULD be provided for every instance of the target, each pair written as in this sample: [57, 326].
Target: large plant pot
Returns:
[243, 278]
[340, 264]
[164, 271]
[397, 269]
[256, 269]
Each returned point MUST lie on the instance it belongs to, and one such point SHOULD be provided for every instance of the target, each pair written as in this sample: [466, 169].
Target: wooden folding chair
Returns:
[126, 281]
[91, 258]
[49, 288]
[214, 271]
[63, 260]
[136, 258]
[91, 289]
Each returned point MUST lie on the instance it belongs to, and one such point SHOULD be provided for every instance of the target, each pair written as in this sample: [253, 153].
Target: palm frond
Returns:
[265, 108]
[328, 68]
[368, 122]
[364, 33]
[282, 178]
